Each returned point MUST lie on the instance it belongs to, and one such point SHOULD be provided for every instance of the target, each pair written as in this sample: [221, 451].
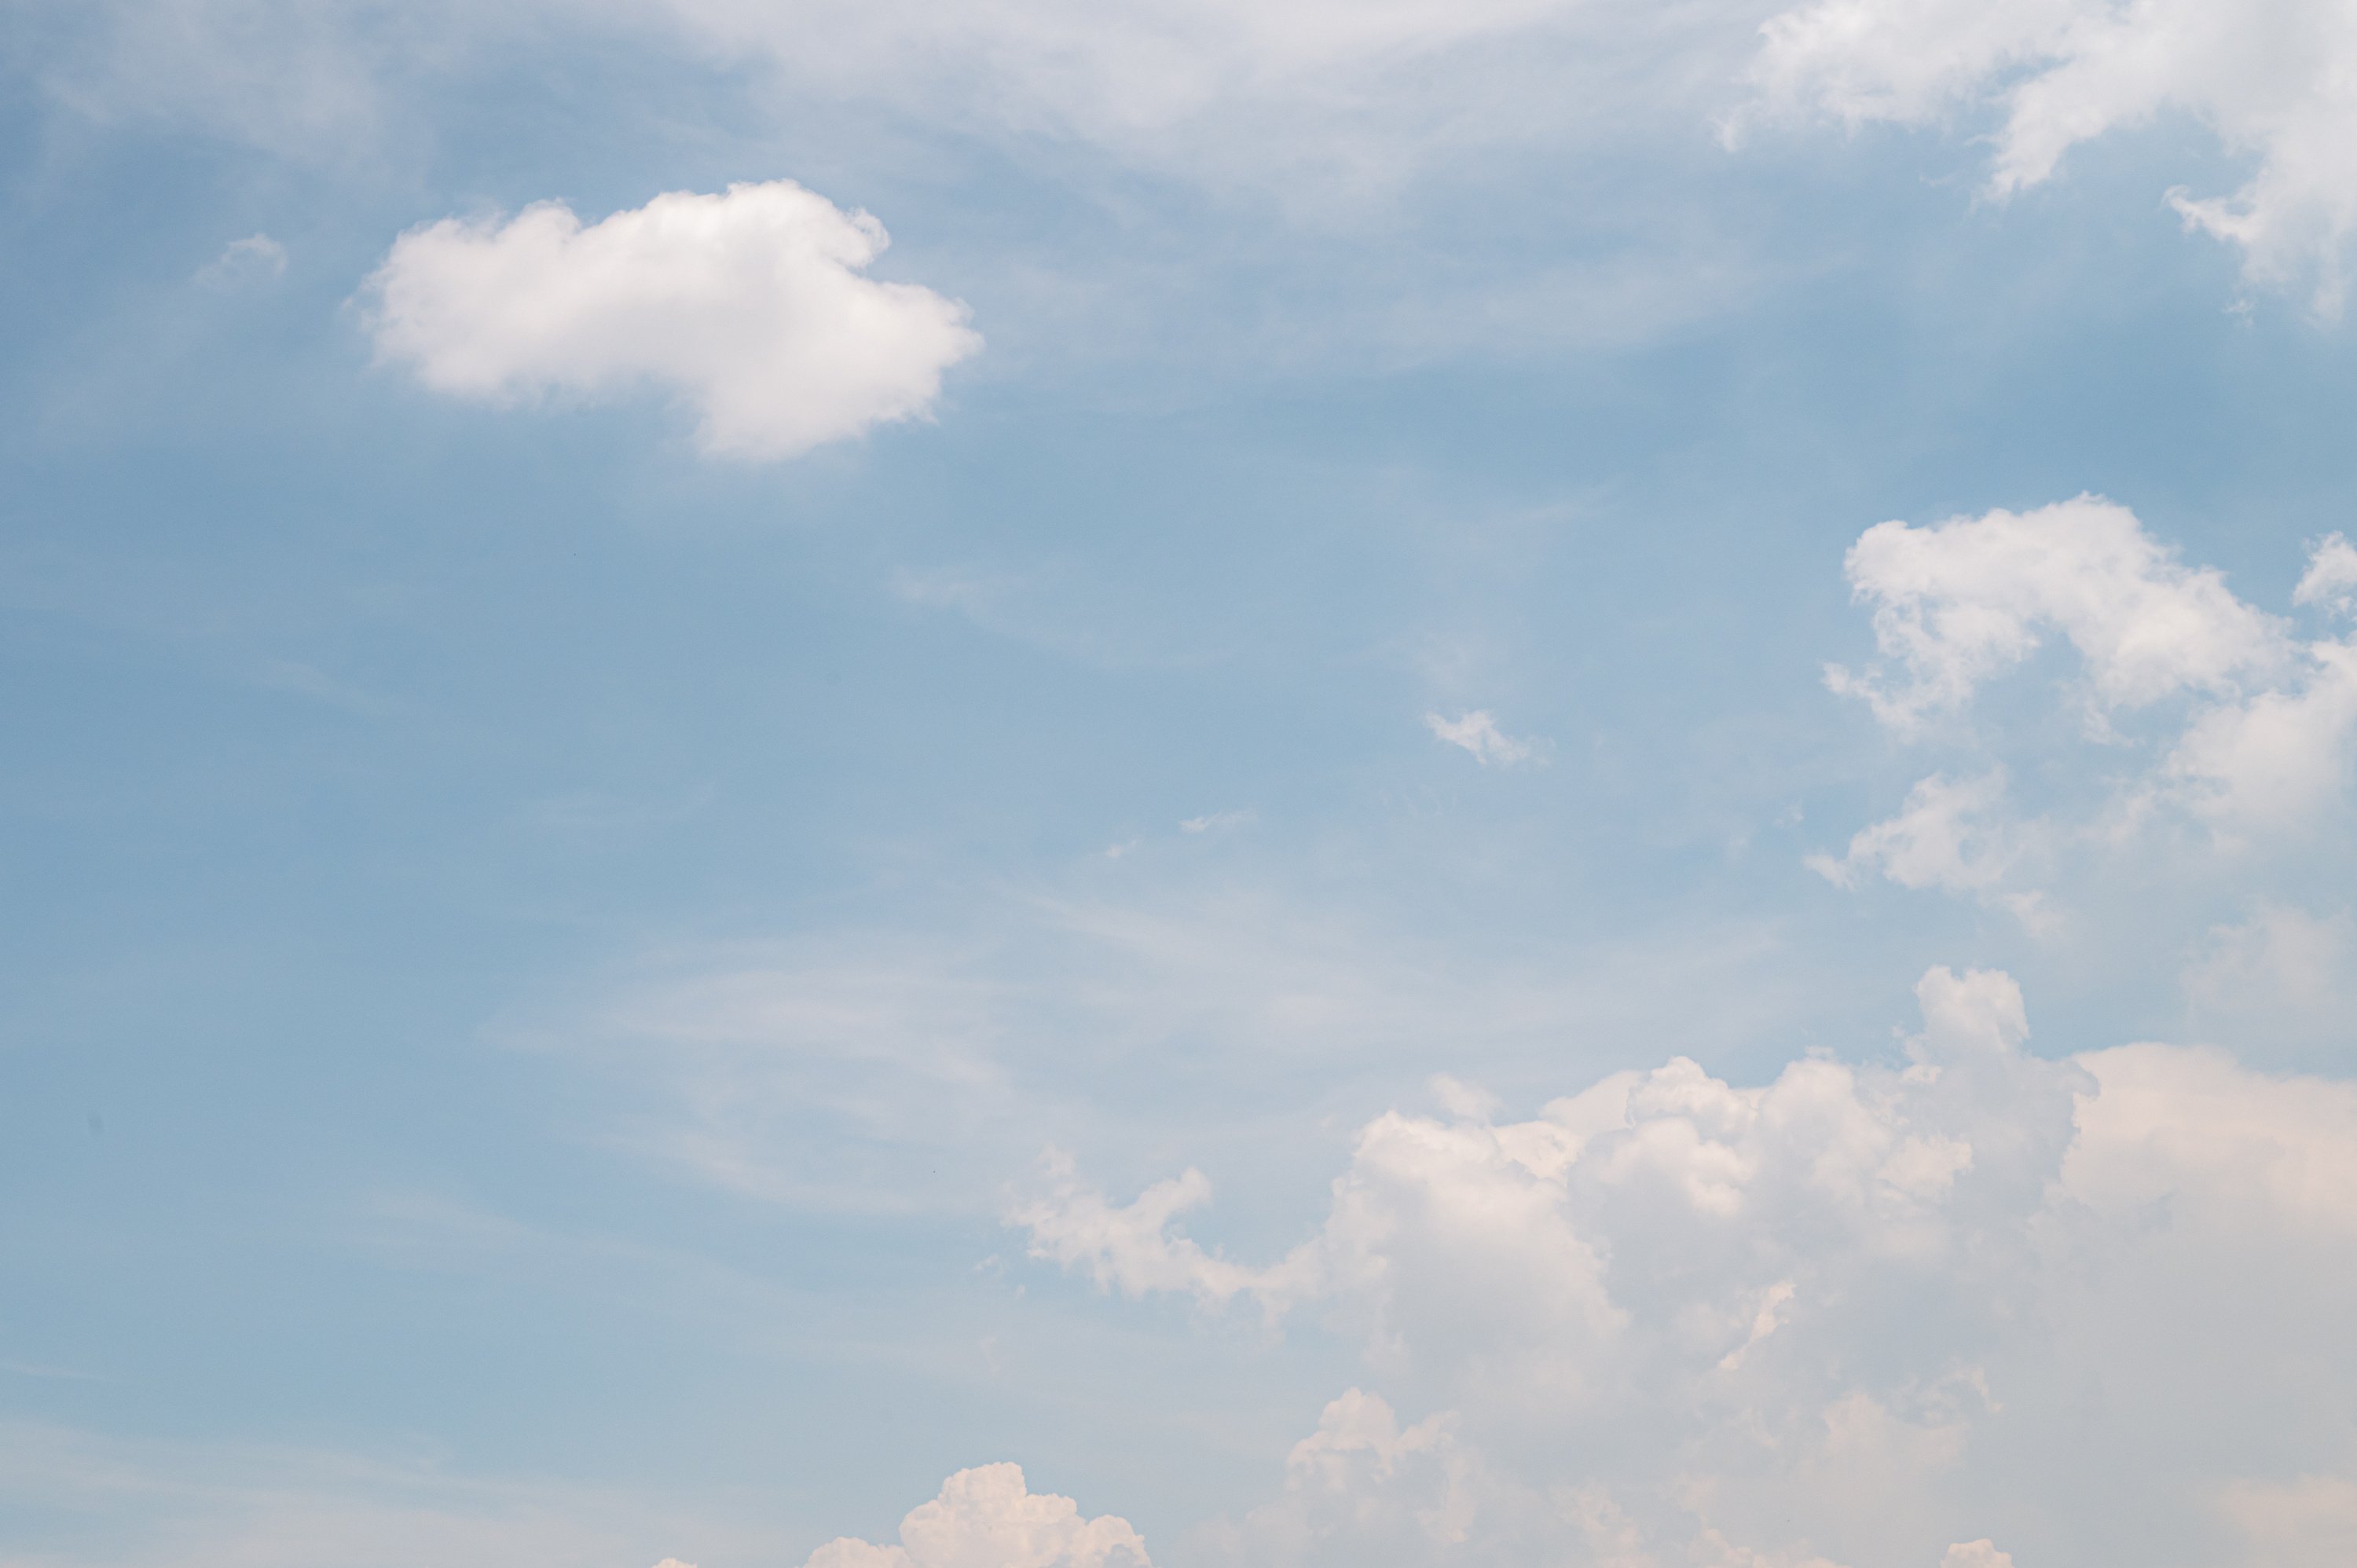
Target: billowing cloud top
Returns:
[749, 306]
[987, 1517]
[1734, 1314]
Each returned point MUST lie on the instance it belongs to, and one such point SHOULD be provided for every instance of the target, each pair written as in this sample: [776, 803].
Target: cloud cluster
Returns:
[2237, 724]
[1863, 1313]
[987, 1518]
[2269, 78]
[749, 306]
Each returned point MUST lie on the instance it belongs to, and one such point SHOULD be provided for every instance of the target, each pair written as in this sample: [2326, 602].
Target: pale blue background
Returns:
[360, 742]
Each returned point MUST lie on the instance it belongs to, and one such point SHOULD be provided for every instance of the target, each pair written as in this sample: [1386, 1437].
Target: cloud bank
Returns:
[1966, 1304]
[750, 306]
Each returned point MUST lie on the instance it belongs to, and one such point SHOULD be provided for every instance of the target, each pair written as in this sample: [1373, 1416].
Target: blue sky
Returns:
[639, 838]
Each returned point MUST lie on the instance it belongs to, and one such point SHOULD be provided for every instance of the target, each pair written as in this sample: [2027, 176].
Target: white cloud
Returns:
[1317, 120]
[1952, 834]
[867, 1069]
[750, 306]
[1960, 602]
[1132, 1247]
[1364, 1490]
[2310, 1522]
[2269, 77]
[1818, 1320]
[1361, 1488]
[223, 1504]
[1478, 732]
[987, 1517]
[1215, 821]
[2229, 720]
[2331, 580]
[1520, 1225]
[2280, 757]
[1982, 1553]
[256, 259]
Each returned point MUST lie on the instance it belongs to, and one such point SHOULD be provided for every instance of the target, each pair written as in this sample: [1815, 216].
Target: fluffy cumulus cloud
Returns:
[1960, 602]
[987, 1518]
[2270, 77]
[751, 307]
[1969, 1302]
[2234, 720]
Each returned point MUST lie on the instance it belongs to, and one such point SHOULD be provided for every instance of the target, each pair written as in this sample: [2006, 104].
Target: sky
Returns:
[1010, 784]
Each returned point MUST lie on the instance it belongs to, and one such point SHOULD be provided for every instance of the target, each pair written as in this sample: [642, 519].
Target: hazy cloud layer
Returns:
[750, 306]
[1355, 95]
[220, 1503]
[896, 1070]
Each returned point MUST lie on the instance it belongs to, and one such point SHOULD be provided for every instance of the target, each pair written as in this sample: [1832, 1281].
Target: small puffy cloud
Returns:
[1131, 1248]
[1672, 1319]
[1976, 1554]
[256, 259]
[1952, 835]
[1960, 602]
[1478, 732]
[2267, 77]
[2331, 580]
[987, 1518]
[1215, 821]
[751, 307]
